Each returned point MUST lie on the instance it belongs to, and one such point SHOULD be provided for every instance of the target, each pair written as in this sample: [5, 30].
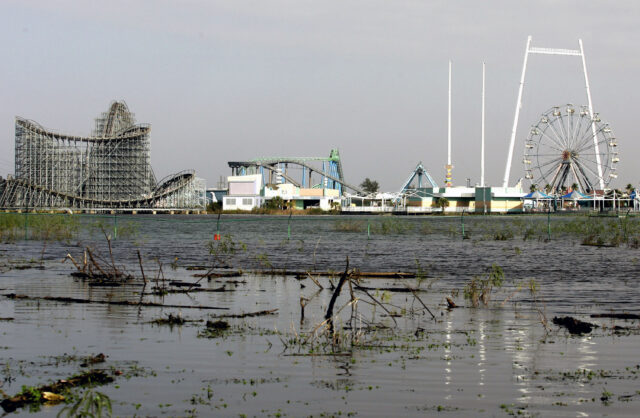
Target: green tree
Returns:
[369, 186]
[442, 203]
[274, 203]
[533, 188]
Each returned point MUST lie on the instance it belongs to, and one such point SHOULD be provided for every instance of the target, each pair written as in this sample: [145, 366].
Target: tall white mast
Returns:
[449, 167]
[593, 125]
[505, 181]
[482, 136]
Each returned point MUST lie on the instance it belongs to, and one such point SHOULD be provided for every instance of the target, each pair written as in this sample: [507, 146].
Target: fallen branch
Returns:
[249, 314]
[329, 273]
[68, 257]
[385, 289]
[93, 261]
[415, 295]
[212, 275]
[377, 302]
[159, 290]
[109, 302]
[314, 280]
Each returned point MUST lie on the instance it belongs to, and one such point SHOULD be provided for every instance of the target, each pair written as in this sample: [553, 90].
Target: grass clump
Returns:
[91, 404]
[392, 226]
[349, 226]
[479, 288]
[37, 226]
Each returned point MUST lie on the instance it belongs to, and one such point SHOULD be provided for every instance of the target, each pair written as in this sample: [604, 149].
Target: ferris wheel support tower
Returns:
[551, 51]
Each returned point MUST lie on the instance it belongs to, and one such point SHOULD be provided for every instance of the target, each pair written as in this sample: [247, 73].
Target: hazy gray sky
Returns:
[233, 80]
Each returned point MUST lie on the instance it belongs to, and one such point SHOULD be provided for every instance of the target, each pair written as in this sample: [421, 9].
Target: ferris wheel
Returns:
[567, 147]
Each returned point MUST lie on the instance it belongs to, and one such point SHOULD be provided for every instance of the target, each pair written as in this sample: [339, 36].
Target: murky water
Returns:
[487, 361]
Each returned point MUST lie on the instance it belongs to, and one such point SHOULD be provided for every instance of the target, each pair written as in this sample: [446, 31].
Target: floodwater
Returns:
[392, 357]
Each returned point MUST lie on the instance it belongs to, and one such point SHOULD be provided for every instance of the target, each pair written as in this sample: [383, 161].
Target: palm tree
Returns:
[442, 202]
[533, 188]
[369, 186]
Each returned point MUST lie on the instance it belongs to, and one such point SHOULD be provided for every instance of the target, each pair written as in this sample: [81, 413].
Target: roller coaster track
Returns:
[116, 109]
[133, 132]
[163, 190]
[270, 164]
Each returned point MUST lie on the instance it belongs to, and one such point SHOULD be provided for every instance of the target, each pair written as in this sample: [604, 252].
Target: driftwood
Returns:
[385, 289]
[354, 273]
[212, 275]
[92, 377]
[158, 290]
[109, 302]
[594, 244]
[616, 316]
[248, 314]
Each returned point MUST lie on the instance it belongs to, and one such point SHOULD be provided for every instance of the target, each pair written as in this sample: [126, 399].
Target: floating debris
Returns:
[575, 326]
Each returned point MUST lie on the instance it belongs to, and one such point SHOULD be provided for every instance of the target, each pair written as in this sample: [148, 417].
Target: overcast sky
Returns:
[234, 80]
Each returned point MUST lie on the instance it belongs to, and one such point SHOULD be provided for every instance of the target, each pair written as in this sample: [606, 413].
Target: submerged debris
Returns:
[214, 329]
[51, 392]
[99, 358]
[575, 326]
[172, 319]
[219, 325]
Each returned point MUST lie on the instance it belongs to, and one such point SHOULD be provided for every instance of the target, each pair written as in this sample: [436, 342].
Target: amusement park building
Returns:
[301, 182]
[426, 200]
[107, 171]
[248, 192]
